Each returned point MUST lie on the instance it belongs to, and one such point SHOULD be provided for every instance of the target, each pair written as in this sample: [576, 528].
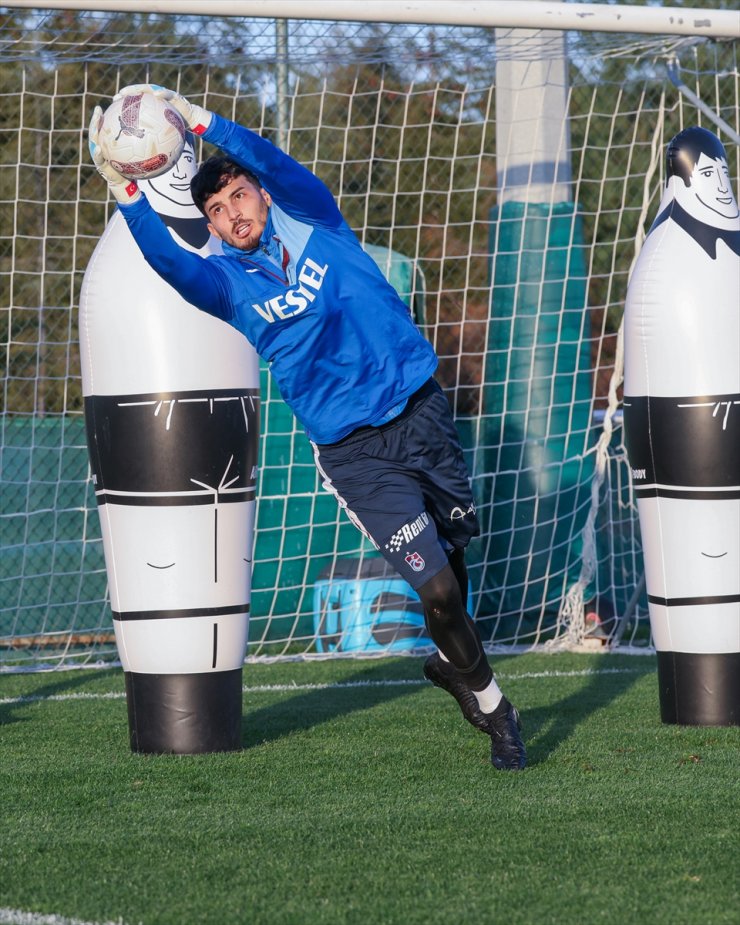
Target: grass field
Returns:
[361, 796]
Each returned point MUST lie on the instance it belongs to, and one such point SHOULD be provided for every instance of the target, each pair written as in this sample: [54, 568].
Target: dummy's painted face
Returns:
[175, 184]
[237, 214]
[710, 193]
[704, 553]
[196, 555]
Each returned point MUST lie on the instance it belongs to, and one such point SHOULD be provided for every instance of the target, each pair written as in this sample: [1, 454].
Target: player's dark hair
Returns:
[213, 175]
[685, 149]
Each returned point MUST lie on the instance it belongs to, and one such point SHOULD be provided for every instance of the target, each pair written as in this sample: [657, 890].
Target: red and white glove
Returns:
[196, 118]
[123, 191]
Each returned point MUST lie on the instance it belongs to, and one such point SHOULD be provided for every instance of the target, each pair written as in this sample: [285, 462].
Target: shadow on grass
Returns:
[60, 682]
[379, 682]
[544, 728]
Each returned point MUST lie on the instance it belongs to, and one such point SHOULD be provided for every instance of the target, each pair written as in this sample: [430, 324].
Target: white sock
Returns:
[489, 698]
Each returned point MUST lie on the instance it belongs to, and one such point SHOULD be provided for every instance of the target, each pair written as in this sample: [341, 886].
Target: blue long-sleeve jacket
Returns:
[341, 344]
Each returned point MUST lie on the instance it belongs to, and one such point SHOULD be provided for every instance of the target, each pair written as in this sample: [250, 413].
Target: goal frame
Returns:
[524, 14]
[573, 630]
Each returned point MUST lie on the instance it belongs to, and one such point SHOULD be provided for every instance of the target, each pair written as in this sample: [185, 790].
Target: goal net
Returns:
[502, 179]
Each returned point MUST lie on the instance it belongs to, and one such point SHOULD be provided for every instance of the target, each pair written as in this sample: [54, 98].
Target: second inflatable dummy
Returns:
[682, 429]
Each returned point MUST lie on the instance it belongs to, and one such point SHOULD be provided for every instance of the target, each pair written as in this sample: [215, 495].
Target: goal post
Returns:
[621, 18]
[500, 171]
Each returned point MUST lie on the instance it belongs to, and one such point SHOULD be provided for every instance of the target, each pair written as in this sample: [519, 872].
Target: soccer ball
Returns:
[142, 136]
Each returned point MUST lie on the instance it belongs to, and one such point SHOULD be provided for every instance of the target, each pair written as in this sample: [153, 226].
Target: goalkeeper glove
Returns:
[196, 118]
[123, 191]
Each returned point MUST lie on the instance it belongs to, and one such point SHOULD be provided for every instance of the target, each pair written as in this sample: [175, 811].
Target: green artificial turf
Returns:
[362, 799]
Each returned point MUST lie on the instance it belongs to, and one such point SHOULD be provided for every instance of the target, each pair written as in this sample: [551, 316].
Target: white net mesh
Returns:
[521, 295]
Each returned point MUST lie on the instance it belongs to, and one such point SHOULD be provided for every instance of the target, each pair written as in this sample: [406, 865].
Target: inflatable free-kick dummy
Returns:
[172, 417]
[682, 431]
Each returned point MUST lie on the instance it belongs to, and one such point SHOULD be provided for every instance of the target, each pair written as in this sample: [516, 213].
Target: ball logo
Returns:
[415, 561]
[174, 119]
[128, 119]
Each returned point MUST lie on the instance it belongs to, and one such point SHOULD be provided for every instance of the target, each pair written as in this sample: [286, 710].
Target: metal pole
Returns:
[524, 14]
[282, 82]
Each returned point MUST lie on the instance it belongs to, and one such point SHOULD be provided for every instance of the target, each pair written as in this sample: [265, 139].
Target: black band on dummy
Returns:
[688, 442]
[699, 689]
[184, 714]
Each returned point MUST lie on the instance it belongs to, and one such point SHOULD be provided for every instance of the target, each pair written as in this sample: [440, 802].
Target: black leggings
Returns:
[451, 628]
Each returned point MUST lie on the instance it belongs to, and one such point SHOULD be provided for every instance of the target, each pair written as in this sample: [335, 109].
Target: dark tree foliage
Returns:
[399, 122]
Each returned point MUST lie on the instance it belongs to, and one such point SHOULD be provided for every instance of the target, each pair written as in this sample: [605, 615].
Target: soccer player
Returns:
[352, 366]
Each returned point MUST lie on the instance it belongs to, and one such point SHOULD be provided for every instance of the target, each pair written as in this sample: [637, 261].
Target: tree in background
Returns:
[399, 122]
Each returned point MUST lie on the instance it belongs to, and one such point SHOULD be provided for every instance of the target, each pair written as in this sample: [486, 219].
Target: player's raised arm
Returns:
[197, 281]
[292, 186]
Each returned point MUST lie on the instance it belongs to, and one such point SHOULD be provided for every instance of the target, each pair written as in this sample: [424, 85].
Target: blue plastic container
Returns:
[363, 605]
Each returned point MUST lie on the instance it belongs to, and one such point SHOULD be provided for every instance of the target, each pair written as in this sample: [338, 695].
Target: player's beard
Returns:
[252, 240]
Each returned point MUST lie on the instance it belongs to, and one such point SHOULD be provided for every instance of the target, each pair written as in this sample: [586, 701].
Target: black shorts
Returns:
[405, 485]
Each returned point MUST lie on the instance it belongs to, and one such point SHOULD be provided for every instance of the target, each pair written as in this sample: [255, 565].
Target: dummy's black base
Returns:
[184, 714]
[699, 690]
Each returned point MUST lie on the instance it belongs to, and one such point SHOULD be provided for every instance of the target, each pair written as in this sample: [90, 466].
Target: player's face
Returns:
[237, 214]
[710, 192]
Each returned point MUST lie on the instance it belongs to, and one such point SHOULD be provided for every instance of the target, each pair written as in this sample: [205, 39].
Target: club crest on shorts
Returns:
[415, 561]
